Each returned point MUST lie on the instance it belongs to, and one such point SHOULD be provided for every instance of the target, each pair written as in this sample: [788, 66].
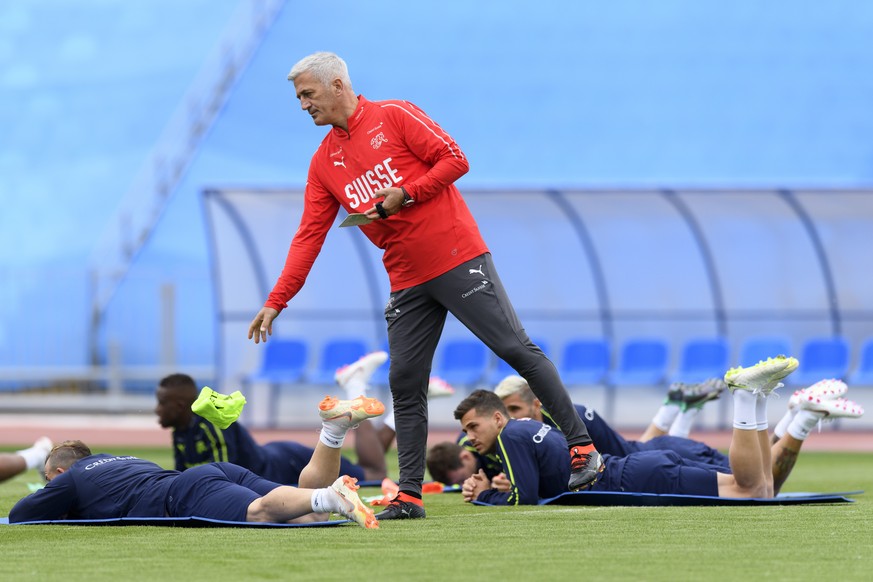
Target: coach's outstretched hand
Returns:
[262, 324]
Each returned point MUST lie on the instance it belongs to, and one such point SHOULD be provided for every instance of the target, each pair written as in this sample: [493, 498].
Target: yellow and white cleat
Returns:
[763, 377]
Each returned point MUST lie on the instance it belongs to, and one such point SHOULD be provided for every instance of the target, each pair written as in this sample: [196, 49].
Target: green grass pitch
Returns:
[457, 540]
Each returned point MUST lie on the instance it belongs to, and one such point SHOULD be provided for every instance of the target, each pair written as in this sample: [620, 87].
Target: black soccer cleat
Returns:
[398, 509]
[696, 395]
[674, 394]
[586, 465]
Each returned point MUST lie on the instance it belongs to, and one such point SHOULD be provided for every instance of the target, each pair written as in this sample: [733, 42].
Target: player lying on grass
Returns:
[12, 464]
[683, 403]
[82, 485]
[197, 440]
[534, 469]
[669, 428]
[452, 463]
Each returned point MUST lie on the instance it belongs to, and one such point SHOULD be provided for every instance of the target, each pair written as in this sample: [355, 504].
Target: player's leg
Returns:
[11, 464]
[474, 293]
[750, 387]
[415, 323]
[694, 397]
[666, 414]
[766, 454]
[33, 457]
[748, 479]
[355, 380]
[784, 454]
[680, 408]
[810, 410]
[227, 492]
[829, 389]
[338, 417]
[284, 504]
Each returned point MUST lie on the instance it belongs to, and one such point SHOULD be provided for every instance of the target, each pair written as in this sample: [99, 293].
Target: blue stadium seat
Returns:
[863, 373]
[759, 348]
[284, 360]
[821, 358]
[502, 369]
[584, 361]
[337, 353]
[643, 361]
[462, 362]
[701, 359]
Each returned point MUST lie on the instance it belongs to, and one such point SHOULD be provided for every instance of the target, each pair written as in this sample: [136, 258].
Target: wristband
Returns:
[381, 211]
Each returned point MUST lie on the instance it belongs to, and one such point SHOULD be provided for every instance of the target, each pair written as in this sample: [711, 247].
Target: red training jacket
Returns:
[389, 144]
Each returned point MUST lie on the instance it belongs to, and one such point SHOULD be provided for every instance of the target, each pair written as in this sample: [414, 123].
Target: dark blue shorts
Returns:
[216, 491]
[660, 472]
[286, 460]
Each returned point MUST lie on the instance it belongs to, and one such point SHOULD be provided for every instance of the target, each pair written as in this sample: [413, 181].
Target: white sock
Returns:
[681, 427]
[332, 435]
[325, 500]
[803, 423]
[666, 416]
[34, 457]
[761, 412]
[355, 387]
[783, 423]
[745, 404]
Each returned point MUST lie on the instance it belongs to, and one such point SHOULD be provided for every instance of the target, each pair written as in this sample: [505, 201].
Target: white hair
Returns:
[325, 67]
[513, 385]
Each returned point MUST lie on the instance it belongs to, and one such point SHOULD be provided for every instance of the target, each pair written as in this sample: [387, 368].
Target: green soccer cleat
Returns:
[763, 377]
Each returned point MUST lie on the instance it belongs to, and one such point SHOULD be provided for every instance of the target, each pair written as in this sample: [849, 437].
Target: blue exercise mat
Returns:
[619, 498]
[173, 522]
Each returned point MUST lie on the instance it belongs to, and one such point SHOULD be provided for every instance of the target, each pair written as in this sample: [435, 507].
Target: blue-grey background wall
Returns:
[677, 93]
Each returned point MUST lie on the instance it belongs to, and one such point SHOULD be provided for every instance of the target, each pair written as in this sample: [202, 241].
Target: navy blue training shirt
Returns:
[535, 458]
[202, 442]
[100, 487]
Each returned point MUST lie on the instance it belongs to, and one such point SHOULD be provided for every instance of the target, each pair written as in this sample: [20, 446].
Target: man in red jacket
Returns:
[392, 163]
